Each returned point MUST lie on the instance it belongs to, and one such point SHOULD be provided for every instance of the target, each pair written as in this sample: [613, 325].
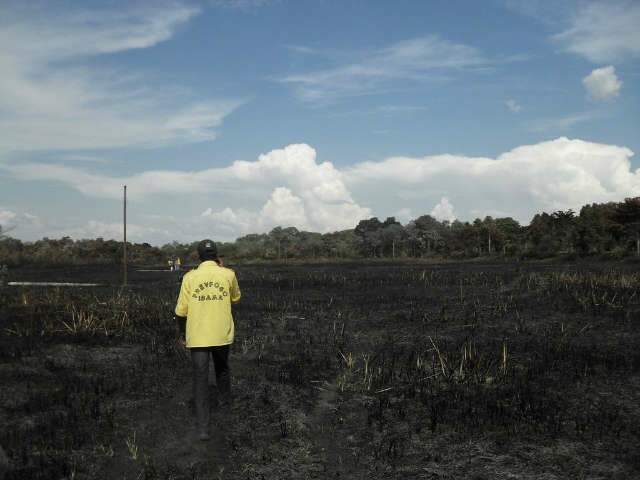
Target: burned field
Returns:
[451, 371]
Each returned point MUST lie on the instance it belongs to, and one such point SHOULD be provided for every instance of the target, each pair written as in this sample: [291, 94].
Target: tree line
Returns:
[609, 230]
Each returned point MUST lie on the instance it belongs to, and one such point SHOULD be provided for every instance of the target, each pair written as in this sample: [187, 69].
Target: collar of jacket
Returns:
[208, 263]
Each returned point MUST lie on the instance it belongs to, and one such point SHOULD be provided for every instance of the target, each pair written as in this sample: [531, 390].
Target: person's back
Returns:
[205, 299]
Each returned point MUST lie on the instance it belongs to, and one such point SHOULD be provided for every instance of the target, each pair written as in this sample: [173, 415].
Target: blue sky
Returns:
[229, 117]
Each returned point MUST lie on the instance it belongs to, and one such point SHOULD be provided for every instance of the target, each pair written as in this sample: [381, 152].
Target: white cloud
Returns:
[6, 216]
[602, 83]
[230, 223]
[603, 31]
[289, 187]
[513, 105]
[53, 96]
[284, 208]
[443, 210]
[418, 59]
[547, 176]
[302, 191]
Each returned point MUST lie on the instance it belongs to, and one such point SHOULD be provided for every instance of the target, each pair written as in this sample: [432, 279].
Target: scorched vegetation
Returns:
[379, 371]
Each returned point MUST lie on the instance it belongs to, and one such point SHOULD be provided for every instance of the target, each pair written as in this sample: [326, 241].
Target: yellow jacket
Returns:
[205, 299]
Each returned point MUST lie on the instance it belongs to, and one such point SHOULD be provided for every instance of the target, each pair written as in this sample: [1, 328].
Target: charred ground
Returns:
[352, 370]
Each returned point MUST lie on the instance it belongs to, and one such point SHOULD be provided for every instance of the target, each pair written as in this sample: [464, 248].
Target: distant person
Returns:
[177, 264]
[205, 326]
[170, 263]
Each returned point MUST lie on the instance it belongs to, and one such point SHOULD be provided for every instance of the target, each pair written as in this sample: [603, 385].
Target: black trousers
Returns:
[200, 363]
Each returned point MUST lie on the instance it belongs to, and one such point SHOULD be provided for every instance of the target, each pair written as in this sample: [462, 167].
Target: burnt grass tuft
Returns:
[347, 370]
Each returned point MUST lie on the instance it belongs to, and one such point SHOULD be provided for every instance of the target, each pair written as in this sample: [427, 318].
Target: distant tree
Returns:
[598, 228]
[540, 235]
[309, 244]
[563, 224]
[627, 214]
[489, 233]
[343, 244]
[425, 234]
[391, 235]
[509, 232]
[369, 233]
[11, 251]
[253, 245]
[595, 230]
[283, 238]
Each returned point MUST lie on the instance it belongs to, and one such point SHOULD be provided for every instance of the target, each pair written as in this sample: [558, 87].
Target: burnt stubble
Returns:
[378, 370]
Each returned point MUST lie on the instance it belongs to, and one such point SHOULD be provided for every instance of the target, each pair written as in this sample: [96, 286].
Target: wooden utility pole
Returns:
[124, 250]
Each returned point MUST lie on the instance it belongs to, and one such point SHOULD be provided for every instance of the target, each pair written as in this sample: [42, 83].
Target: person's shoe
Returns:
[203, 435]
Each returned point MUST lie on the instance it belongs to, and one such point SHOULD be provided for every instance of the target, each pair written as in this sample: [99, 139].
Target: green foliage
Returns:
[610, 230]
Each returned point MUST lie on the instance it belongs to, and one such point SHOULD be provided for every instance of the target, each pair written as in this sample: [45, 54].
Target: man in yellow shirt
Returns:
[205, 326]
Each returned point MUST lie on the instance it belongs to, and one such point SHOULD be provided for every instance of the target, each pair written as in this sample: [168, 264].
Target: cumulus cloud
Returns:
[284, 208]
[602, 83]
[290, 187]
[53, 96]
[298, 190]
[230, 222]
[443, 210]
[557, 174]
[603, 31]
[417, 59]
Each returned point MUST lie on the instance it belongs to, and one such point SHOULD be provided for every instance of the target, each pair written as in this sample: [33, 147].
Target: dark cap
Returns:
[207, 250]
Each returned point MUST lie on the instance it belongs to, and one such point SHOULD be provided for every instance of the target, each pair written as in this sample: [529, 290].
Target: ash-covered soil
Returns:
[452, 371]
